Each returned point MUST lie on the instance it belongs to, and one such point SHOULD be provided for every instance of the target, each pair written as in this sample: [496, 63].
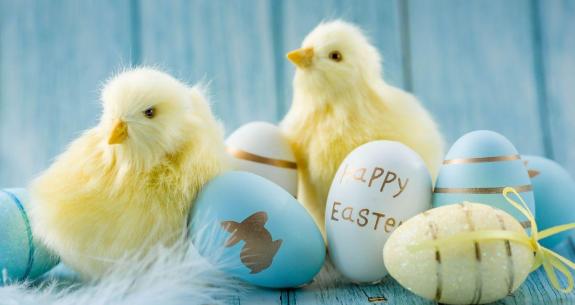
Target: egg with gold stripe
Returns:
[477, 168]
[262, 149]
[465, 272]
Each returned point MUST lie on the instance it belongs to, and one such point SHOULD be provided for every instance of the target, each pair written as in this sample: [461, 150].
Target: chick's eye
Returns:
[335, 56]
[150, 112]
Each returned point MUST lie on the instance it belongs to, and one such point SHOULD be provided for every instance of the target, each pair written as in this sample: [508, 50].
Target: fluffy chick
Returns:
[129, 182]
[340, 101]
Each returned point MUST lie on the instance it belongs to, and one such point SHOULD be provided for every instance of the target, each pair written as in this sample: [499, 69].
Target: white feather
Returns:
[166, 275]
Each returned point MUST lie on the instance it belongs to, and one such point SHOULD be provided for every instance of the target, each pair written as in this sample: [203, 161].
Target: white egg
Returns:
[262, 149]
[378, 186]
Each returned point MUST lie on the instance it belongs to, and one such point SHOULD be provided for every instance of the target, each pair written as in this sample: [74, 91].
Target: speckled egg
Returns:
[255, 230]
[477, 168]
[469, 272]
[262, 149]
[378, 186]
[21, 256]
[554, 190]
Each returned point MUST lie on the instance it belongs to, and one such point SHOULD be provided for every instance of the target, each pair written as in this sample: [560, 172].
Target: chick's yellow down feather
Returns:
[129, 182]
[340, 102]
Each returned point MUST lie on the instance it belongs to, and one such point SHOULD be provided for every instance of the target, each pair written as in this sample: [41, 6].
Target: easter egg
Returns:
[21, 256]
[262, 149]
[378, 186]
[477, 168]
[258, 231]
[466, 272]
[554, 191]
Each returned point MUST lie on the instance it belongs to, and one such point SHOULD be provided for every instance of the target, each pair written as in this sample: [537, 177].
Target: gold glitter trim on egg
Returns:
[480, 190]
[482, 159]
[244, 155]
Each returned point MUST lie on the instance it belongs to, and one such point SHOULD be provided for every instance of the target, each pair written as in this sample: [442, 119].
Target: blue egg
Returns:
[21, 256]
[257, 231]
[477, 168]
[554, 190]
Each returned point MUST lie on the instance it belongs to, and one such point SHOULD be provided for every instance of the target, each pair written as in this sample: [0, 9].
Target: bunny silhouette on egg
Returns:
[259, 248]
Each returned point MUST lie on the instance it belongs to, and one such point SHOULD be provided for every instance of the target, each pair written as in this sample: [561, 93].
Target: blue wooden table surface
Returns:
[507, 65]
[329, 288]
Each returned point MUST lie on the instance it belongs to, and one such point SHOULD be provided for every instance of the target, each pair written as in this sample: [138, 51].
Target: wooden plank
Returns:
[473, 66]
[557, 43]
[227, 43]
[329, 288]
[379, 19]
[54, 57]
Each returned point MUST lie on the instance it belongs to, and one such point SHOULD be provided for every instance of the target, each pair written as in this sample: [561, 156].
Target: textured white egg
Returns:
[468, 272]
[378, 186]
[262, 149]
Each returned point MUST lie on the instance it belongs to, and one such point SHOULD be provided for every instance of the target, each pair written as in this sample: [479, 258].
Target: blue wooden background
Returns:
[502, 65]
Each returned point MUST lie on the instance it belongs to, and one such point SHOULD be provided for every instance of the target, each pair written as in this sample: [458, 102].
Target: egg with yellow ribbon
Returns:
[477, 168]
[472, 253]
[262, 149]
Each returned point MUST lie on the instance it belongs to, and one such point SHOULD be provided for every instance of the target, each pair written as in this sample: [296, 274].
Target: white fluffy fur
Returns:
[169, 276]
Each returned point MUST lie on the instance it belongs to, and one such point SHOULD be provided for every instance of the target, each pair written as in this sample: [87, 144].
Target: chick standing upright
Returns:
[129, 182]
[340, 101]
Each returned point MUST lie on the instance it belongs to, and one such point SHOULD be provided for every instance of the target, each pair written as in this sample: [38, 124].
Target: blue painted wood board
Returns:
[329, 288]
[505, 65]
[557, 47]
[224, 43]
[54, 59]
[473, 66]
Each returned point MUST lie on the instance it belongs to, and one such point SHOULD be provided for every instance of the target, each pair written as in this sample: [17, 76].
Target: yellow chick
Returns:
[340, 102]
[129, 182]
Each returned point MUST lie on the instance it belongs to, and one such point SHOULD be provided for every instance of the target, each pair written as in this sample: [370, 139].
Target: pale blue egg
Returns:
[554, 190]
[477, 168]
[255, 230]
[21, 256]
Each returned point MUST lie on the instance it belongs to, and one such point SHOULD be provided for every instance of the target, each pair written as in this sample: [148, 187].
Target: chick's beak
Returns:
[301, 57]
[119, 133]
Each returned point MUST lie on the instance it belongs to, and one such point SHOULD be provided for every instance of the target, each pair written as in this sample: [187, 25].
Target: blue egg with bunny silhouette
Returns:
[21, 256]
[255, 230]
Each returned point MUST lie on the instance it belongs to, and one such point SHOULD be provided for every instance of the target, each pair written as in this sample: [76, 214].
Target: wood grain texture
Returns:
[329, 288]
[380, 20]
[557, 21]
[226, 43]
[54, 58]
[473, 66]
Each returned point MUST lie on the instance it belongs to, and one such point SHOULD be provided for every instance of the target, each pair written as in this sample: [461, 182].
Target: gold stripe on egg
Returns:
[482, 159]
[510, 268]
[480, 190]
[244, 155]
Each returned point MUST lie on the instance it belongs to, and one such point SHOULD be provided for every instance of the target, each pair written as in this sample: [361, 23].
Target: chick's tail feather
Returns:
[170, 275]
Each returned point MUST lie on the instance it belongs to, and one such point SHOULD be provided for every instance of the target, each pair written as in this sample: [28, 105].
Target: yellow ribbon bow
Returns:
[550, 260]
